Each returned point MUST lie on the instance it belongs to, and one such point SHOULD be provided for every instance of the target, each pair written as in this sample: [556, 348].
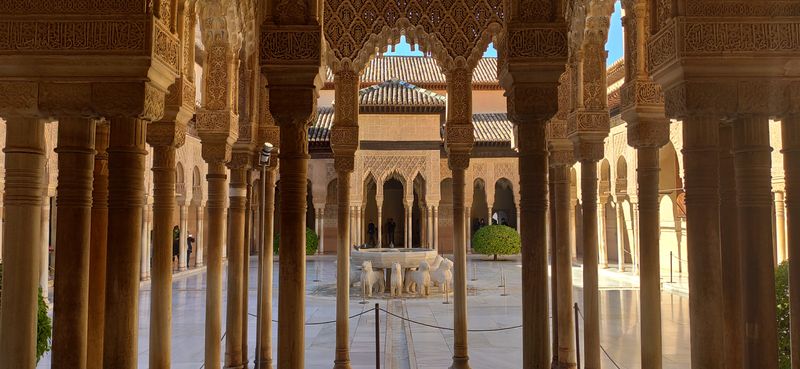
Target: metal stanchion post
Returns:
[577, 338]
[377, 336]
[446, 294]
[474, 272]
[670, 267]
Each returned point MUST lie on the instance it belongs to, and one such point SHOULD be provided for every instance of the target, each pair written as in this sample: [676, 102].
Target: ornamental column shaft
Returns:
[780, 226]
[98, 250]
[551, 246]
[215, 206]
[563, 258]
[790, 129]
[248, 241]
[183, 222]
[344, 143]
[71, 307]
[701, 158]
[126, 161]
[731, 253]
[236, 232]
[601, 234]
[24, 183]
[264, 350]
[753, 162]
[459, 140]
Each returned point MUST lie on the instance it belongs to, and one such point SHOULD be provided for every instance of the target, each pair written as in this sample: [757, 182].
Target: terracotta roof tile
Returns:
[398, 96]
[420, 71]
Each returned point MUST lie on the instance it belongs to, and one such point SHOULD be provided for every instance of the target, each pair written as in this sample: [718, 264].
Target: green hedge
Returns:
[44, 327]
[784, 340]
[496, 240]
[312, 242]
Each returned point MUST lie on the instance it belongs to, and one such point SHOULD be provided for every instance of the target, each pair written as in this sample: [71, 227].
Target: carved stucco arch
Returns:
[395, 174]
[351, 44]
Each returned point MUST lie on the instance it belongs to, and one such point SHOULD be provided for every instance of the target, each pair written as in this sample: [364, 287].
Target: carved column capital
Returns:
[217, 153]
[532, 102]
[648, 133]
[588, 149]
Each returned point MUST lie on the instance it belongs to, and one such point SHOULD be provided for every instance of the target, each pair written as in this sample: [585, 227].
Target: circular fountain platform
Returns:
[383, 258]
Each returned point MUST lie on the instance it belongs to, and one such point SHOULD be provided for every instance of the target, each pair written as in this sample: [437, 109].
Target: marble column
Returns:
[70, 309]
[753, 162]
[342, 359]
[264, 350]
[468, 228]
[460, 351]
[436, 228]
[98, 250]
[622, 232]
[701, 158]
[24, 183]
[519, 221]
[248, 232]
[199, 237]
[164, 204]
[563, 259]
[635, 257]
[184, 224]
[215, 206]
[409, 242]
[429, 215]
[790, 133]
[551, 246]
[236, 245]
[144, 273]
[126, 161]
[780, 226]
[294, 176]
[44, 263]
[733, 336]
[533, 169]
[649, 232]
[602, 246]
[591, 295]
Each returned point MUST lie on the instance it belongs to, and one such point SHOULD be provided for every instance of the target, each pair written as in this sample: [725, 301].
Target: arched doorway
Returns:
[416, 211]
[504, 209]
[371, 212]
[393, 210]
[480, 208]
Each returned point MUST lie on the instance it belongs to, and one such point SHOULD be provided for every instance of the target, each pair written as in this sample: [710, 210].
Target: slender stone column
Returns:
[236, 231]
[264, 350]
[790, 132]
[731, 252]
[44, 264]
[551, 246]
[126, 161]
[380, 225]
[591, 298]
[184, 224]
[248, 231]
[780, 226]
[199, 237]
[533, 205]
[519, 220]
[146, 251]
[468, 228]
[70, 310]
[429, 216]
[217, 191]
[622, 230]
[650, 292]
[409, 226]
[753, 162]
[436, 228]
[602, 246]
[701, 158]
[566, 330]
[24, 183]
[460, 354]
[342, 359]
[97, 250]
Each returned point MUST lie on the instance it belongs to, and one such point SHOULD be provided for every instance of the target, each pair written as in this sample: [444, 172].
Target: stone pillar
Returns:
[701, 158]
[753, 162]
[635, 242]
[429, 216]
[144, 261]
[98, 250]
[44, 263]
[199, 237]
[468, 228]
[70, 310]
[24, 183]
[602, 246]
[436, 228]
[551, 247]
[519, 221]
[264, 350]
[790, 132]
[563, 259]
[409, 242]
[126, 161]
[239, 166]
[731, 253]
[591, 298]
[780, 226]
[380, 225]
[182, 242]
[248, 231]
[622, 231]
[217, 192]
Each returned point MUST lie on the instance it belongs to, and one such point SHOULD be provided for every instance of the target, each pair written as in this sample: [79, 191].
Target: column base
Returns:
[460, 363]
[342, 365]
[264, 364]
[182, 269]
[235, 366]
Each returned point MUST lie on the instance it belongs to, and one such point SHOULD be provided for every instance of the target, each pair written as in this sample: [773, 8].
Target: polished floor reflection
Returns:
[407, 345]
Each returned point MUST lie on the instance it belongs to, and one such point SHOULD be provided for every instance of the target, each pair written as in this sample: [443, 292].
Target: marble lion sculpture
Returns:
[397, 280]
[419, 281]
[371, 279]
[444, 275]
[436, 263]
[355, 274]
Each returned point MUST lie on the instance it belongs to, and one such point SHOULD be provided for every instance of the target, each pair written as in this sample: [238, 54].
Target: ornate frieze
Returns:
[344, 139]
[539, 43]
[166, 47]
[217, 122]
[291, 45]
[641, 93]
[142, 100]
[28, 7]
[743, 8]
[164, 133]
[74, 36]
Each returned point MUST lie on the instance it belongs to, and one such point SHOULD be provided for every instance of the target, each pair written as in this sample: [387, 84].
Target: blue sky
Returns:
[614, 45]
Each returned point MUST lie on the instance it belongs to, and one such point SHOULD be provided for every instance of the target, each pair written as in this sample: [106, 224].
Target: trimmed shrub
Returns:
[784, 340]
[496, 240]
[44, 327]
[312, 242]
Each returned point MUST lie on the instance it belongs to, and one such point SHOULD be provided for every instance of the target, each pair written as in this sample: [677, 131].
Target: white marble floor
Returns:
[409, 345]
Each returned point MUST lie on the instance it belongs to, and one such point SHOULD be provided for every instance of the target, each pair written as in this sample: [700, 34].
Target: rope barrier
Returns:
[449, 328]
[601, 346]
[325, 322]
[220, 340]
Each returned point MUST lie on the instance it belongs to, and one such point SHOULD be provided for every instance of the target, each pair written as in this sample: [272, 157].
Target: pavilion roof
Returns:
[398, 96]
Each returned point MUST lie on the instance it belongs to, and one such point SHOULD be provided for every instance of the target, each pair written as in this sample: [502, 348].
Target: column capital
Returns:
[588, 149]
[648, 133]
[532, 103]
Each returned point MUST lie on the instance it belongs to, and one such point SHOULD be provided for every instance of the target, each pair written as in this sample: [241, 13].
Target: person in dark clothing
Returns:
[176, 242]
[371, 232]
[494, 221]
[504, 222]
[189, 243]
[482, 223]
[390, 226]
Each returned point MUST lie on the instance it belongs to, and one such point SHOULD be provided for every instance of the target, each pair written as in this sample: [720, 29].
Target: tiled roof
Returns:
[399, 96]
[490, 129]
[421, 71]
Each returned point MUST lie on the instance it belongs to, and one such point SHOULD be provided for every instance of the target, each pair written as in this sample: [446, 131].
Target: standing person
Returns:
[504, 222]
[390, 226]
[371, 232]
[189, 243]
[176, 243]
[482, 223]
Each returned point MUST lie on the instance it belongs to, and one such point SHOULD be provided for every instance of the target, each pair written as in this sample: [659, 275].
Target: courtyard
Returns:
[408, 345]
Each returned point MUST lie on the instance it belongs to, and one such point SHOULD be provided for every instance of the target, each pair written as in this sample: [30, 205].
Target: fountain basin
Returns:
[383, 258]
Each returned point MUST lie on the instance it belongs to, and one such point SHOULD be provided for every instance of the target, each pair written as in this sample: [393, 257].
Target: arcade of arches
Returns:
[126, 118]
